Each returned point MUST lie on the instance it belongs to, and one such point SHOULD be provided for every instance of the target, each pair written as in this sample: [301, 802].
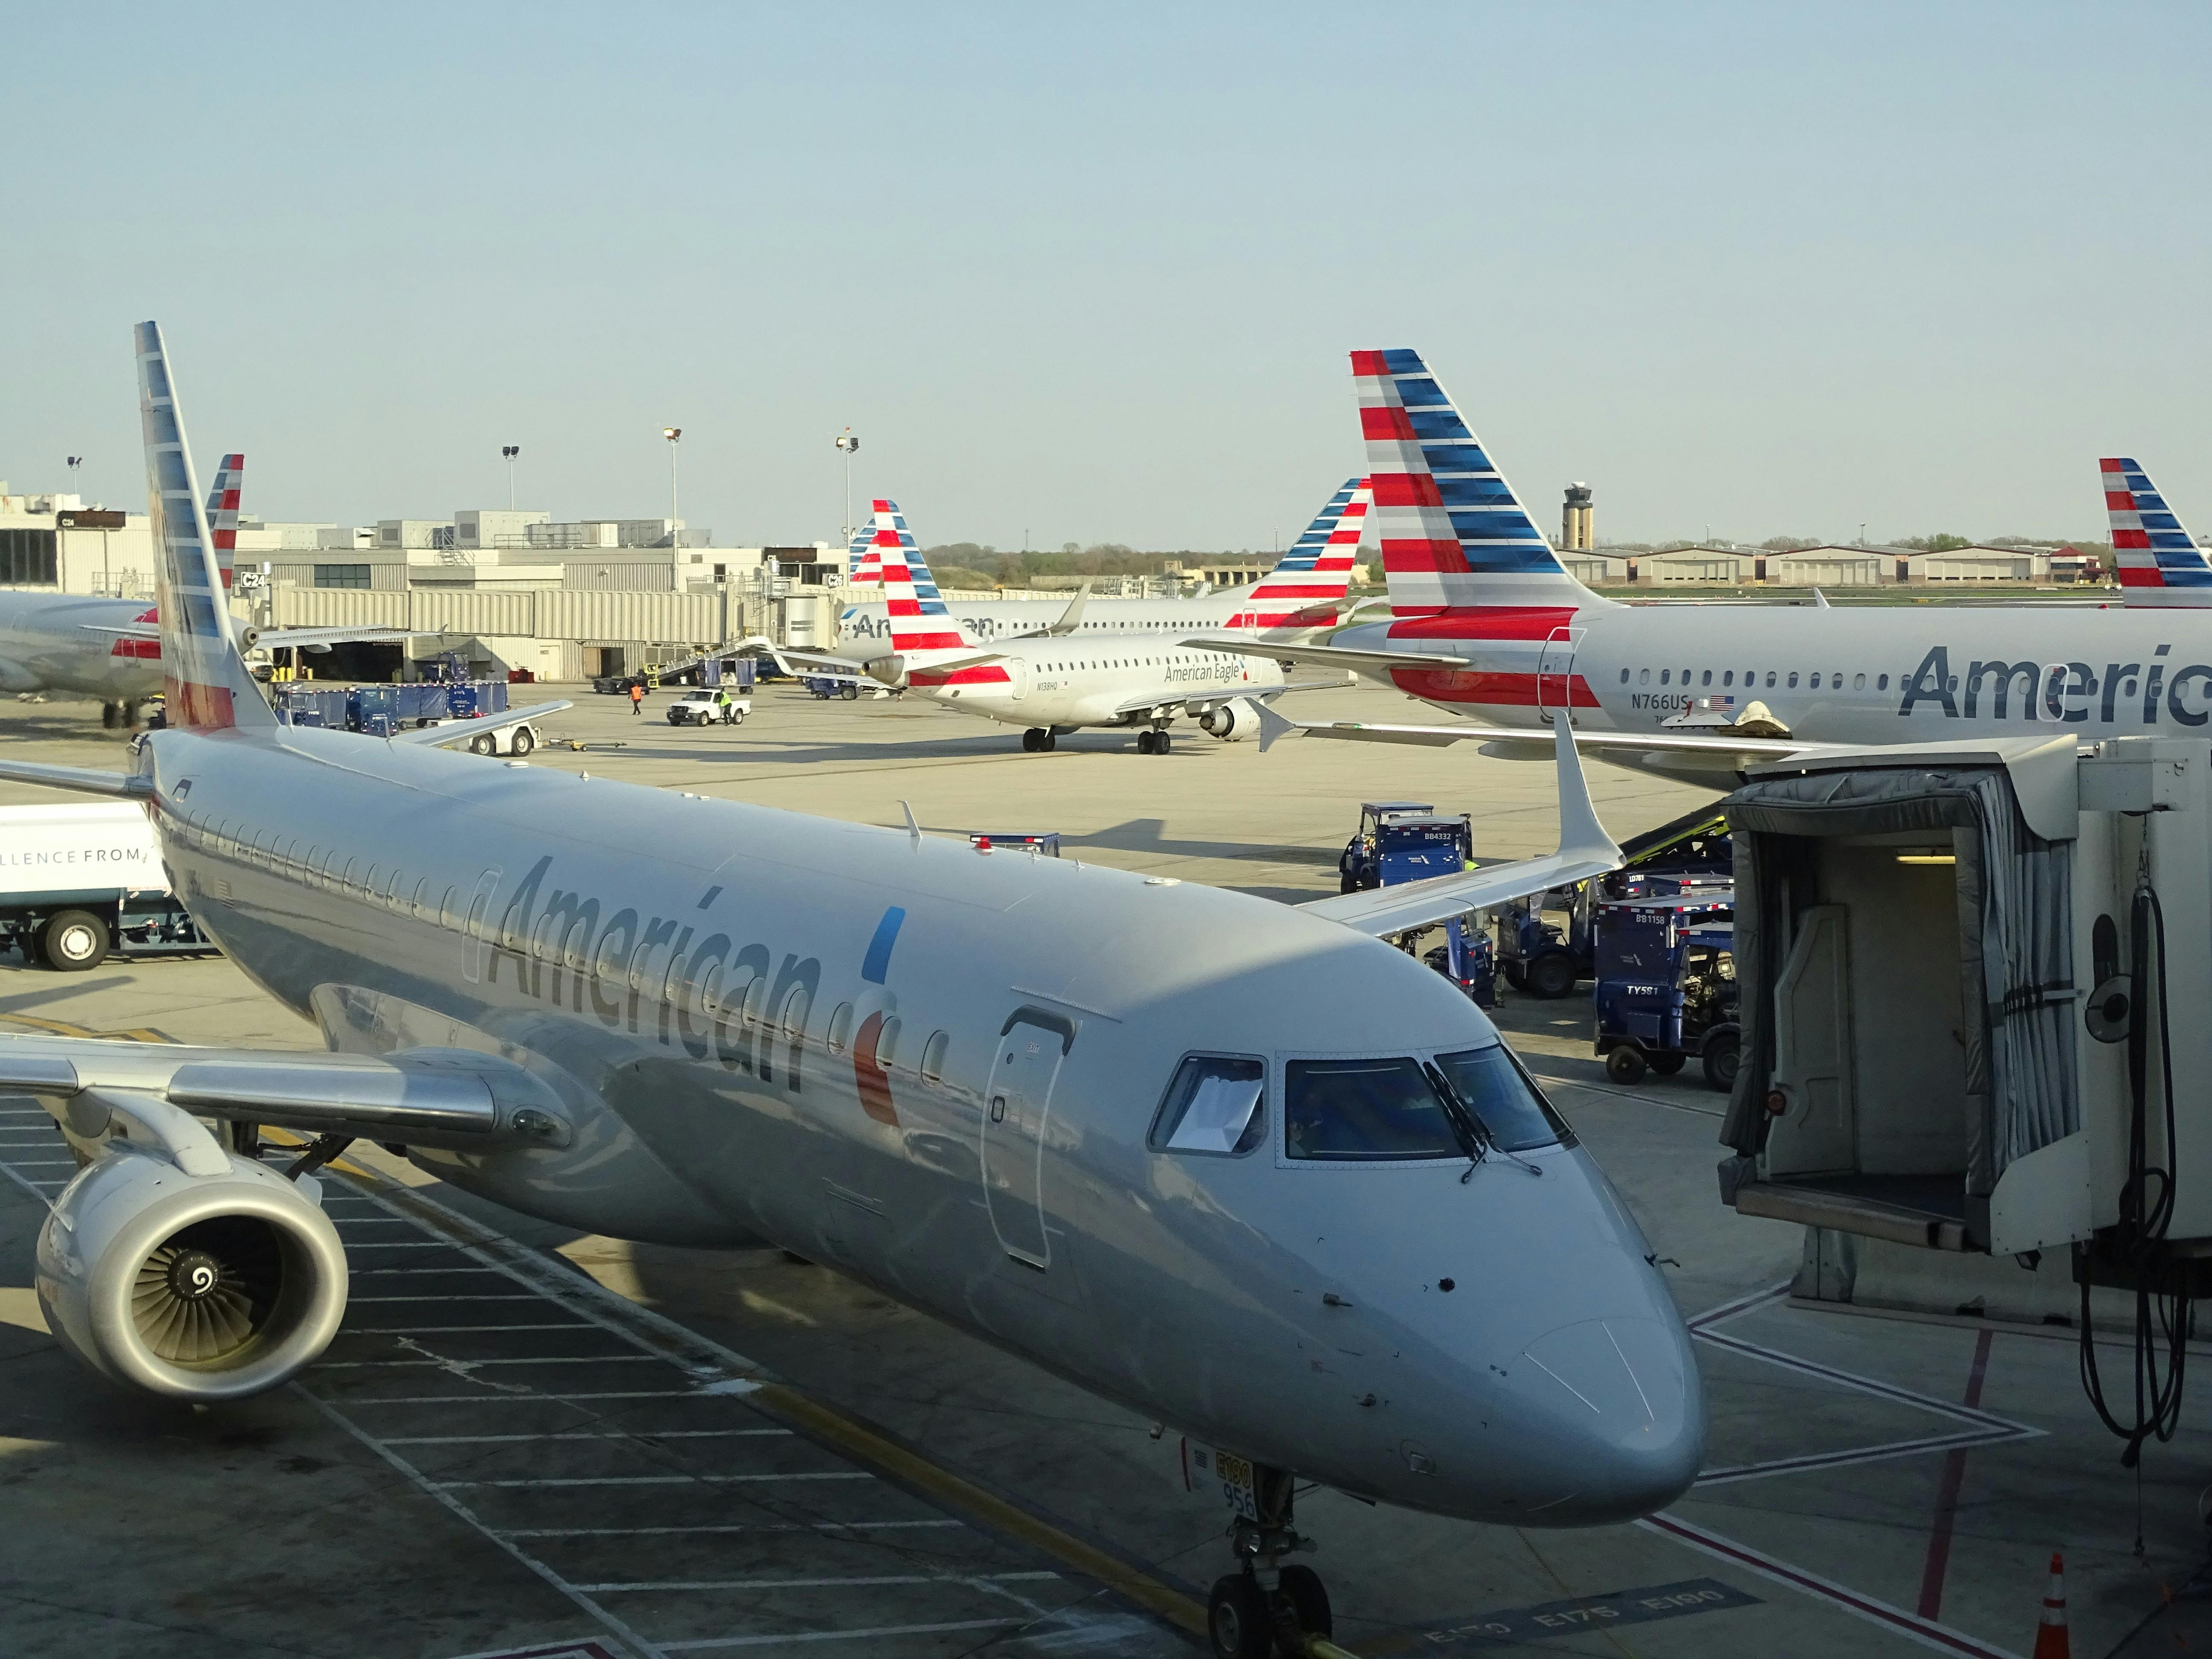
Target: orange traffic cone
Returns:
[2051, 1635]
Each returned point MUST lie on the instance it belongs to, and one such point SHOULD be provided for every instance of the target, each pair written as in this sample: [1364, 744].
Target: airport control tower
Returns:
[1575, 519]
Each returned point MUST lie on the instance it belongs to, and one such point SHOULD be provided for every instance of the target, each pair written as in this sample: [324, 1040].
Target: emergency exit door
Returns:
[1817, 1132]
[1017, 1107]
[1555, 674]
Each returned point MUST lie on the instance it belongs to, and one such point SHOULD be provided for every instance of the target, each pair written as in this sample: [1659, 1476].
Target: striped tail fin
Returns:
[1306, 589]
[205, 679]
[2161, 566]
[1455, 535]
[223, 513]
[919, 620]
[864, 567]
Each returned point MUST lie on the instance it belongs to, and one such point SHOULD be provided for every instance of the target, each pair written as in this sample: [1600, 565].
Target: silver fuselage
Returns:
[50, 642]
[1102, 679]
[694, 978]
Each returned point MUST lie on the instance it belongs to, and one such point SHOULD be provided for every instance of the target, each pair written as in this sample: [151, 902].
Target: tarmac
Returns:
[529, 1441]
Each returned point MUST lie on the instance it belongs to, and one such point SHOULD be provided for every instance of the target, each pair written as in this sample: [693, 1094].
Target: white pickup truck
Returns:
[78, 881]
[708, 706]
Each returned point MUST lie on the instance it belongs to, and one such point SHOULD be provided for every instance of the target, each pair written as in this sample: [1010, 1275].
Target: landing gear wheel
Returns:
[111, 716]
[1145, 740]
[1301, 1588]
[1238, 1621]
[1030, 741]
[1552, 975]
[73, 941]
[1051, 740]
[1159, 743]
[481, 744]
[1625, 1065]
[1668, 1064]
[525, 741]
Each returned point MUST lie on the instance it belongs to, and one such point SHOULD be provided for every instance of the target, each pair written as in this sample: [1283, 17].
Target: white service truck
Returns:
[78, 881]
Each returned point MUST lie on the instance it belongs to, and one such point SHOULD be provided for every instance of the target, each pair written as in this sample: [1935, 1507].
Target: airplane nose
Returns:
[1627, 1390]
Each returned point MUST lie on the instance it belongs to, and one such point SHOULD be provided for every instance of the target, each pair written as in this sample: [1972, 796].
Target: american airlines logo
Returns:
[2069, 693]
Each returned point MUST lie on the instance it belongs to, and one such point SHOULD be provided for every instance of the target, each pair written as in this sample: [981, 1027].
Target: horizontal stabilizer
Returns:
[1377, 662]
[80, 780]
[429, 737]
[1585, 850]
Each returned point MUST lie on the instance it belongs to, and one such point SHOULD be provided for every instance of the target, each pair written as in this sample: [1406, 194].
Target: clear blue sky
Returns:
[1092, 273]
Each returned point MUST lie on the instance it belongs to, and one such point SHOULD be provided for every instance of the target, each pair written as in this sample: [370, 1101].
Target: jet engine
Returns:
[891, 670]
[1232, 722]
[203, 1283]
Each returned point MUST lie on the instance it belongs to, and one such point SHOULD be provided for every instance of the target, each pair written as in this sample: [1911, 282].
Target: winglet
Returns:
[1273, 726]
[1072, 618]
[1580, 832]
[1820, 601]
[913, 827]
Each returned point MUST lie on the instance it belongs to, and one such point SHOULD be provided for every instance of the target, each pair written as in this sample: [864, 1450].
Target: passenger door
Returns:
[1017, 677]
[1817, 1132]
[1017, 1104]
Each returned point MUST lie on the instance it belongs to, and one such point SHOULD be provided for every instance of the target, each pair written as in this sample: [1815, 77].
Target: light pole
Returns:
[673, 433]
[848, 446]
[510, 451]
[74, 462]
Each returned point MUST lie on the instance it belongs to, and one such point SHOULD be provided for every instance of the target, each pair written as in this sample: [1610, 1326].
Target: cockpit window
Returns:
[1213, 1105]
[1363, 1111]
[1512, 1114]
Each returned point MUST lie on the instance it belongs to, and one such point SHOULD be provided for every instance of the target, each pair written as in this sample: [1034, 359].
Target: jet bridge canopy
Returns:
[1904, 941]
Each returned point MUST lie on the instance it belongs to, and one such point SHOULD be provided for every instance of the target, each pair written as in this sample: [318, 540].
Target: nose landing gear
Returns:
[1039, 739]
[1265, 1608]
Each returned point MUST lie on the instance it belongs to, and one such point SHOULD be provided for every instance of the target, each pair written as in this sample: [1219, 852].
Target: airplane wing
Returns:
[79, 779]
[1677, 750]
[447, 1097]
[1584, 850]
[1325, 656]
[429, 737]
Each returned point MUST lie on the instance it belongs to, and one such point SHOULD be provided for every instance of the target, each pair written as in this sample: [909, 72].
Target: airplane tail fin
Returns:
[205, 679]
[2161, 566]
[864, 568]
[1455, 535]
[223, 513]
[919, 620]
[1307, 588]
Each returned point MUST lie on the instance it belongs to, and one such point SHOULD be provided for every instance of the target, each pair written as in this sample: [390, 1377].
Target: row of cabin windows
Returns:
[1131, 662]
[1834, 681]
[638, 969]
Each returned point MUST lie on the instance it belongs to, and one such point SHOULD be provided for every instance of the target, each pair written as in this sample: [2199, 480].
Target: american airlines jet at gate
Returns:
[1243, 1167]
[1486, 623]
[1292, 601]
[112, 648]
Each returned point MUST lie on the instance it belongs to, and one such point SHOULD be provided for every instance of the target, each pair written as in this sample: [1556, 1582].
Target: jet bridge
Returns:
[1974, 983]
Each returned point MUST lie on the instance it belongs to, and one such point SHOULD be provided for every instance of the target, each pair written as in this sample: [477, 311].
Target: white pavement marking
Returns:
[1911, 1625]
[607, 1619]
[837, 1635]
[471, 1364]
[441, 1330]
[433, 1295]
[969, 1578]
[618, 1434]
[537, 1481]
[796, 1526]
[530, 1397]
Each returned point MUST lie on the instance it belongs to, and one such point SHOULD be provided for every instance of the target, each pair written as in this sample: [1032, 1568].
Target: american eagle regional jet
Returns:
[1241, 1166]
[1485, 622]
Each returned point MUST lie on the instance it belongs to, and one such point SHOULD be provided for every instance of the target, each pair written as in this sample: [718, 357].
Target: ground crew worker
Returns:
[722, 704]
[637, 696]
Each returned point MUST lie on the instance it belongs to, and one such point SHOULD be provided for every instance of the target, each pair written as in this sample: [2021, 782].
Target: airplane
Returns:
[1287, 604]
[1241, 1166]
[111, 648]
[1487, 622]
[1062, 677]
[2161, 566]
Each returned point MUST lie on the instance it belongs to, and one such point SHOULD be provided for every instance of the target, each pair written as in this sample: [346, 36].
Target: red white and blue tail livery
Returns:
[223, 513]
[205, 679]
[1308, 586]
[2161, 566]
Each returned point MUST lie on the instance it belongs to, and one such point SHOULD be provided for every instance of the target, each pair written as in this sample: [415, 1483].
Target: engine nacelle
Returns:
[201, 1287]
[890, 671]
[1232, 722]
